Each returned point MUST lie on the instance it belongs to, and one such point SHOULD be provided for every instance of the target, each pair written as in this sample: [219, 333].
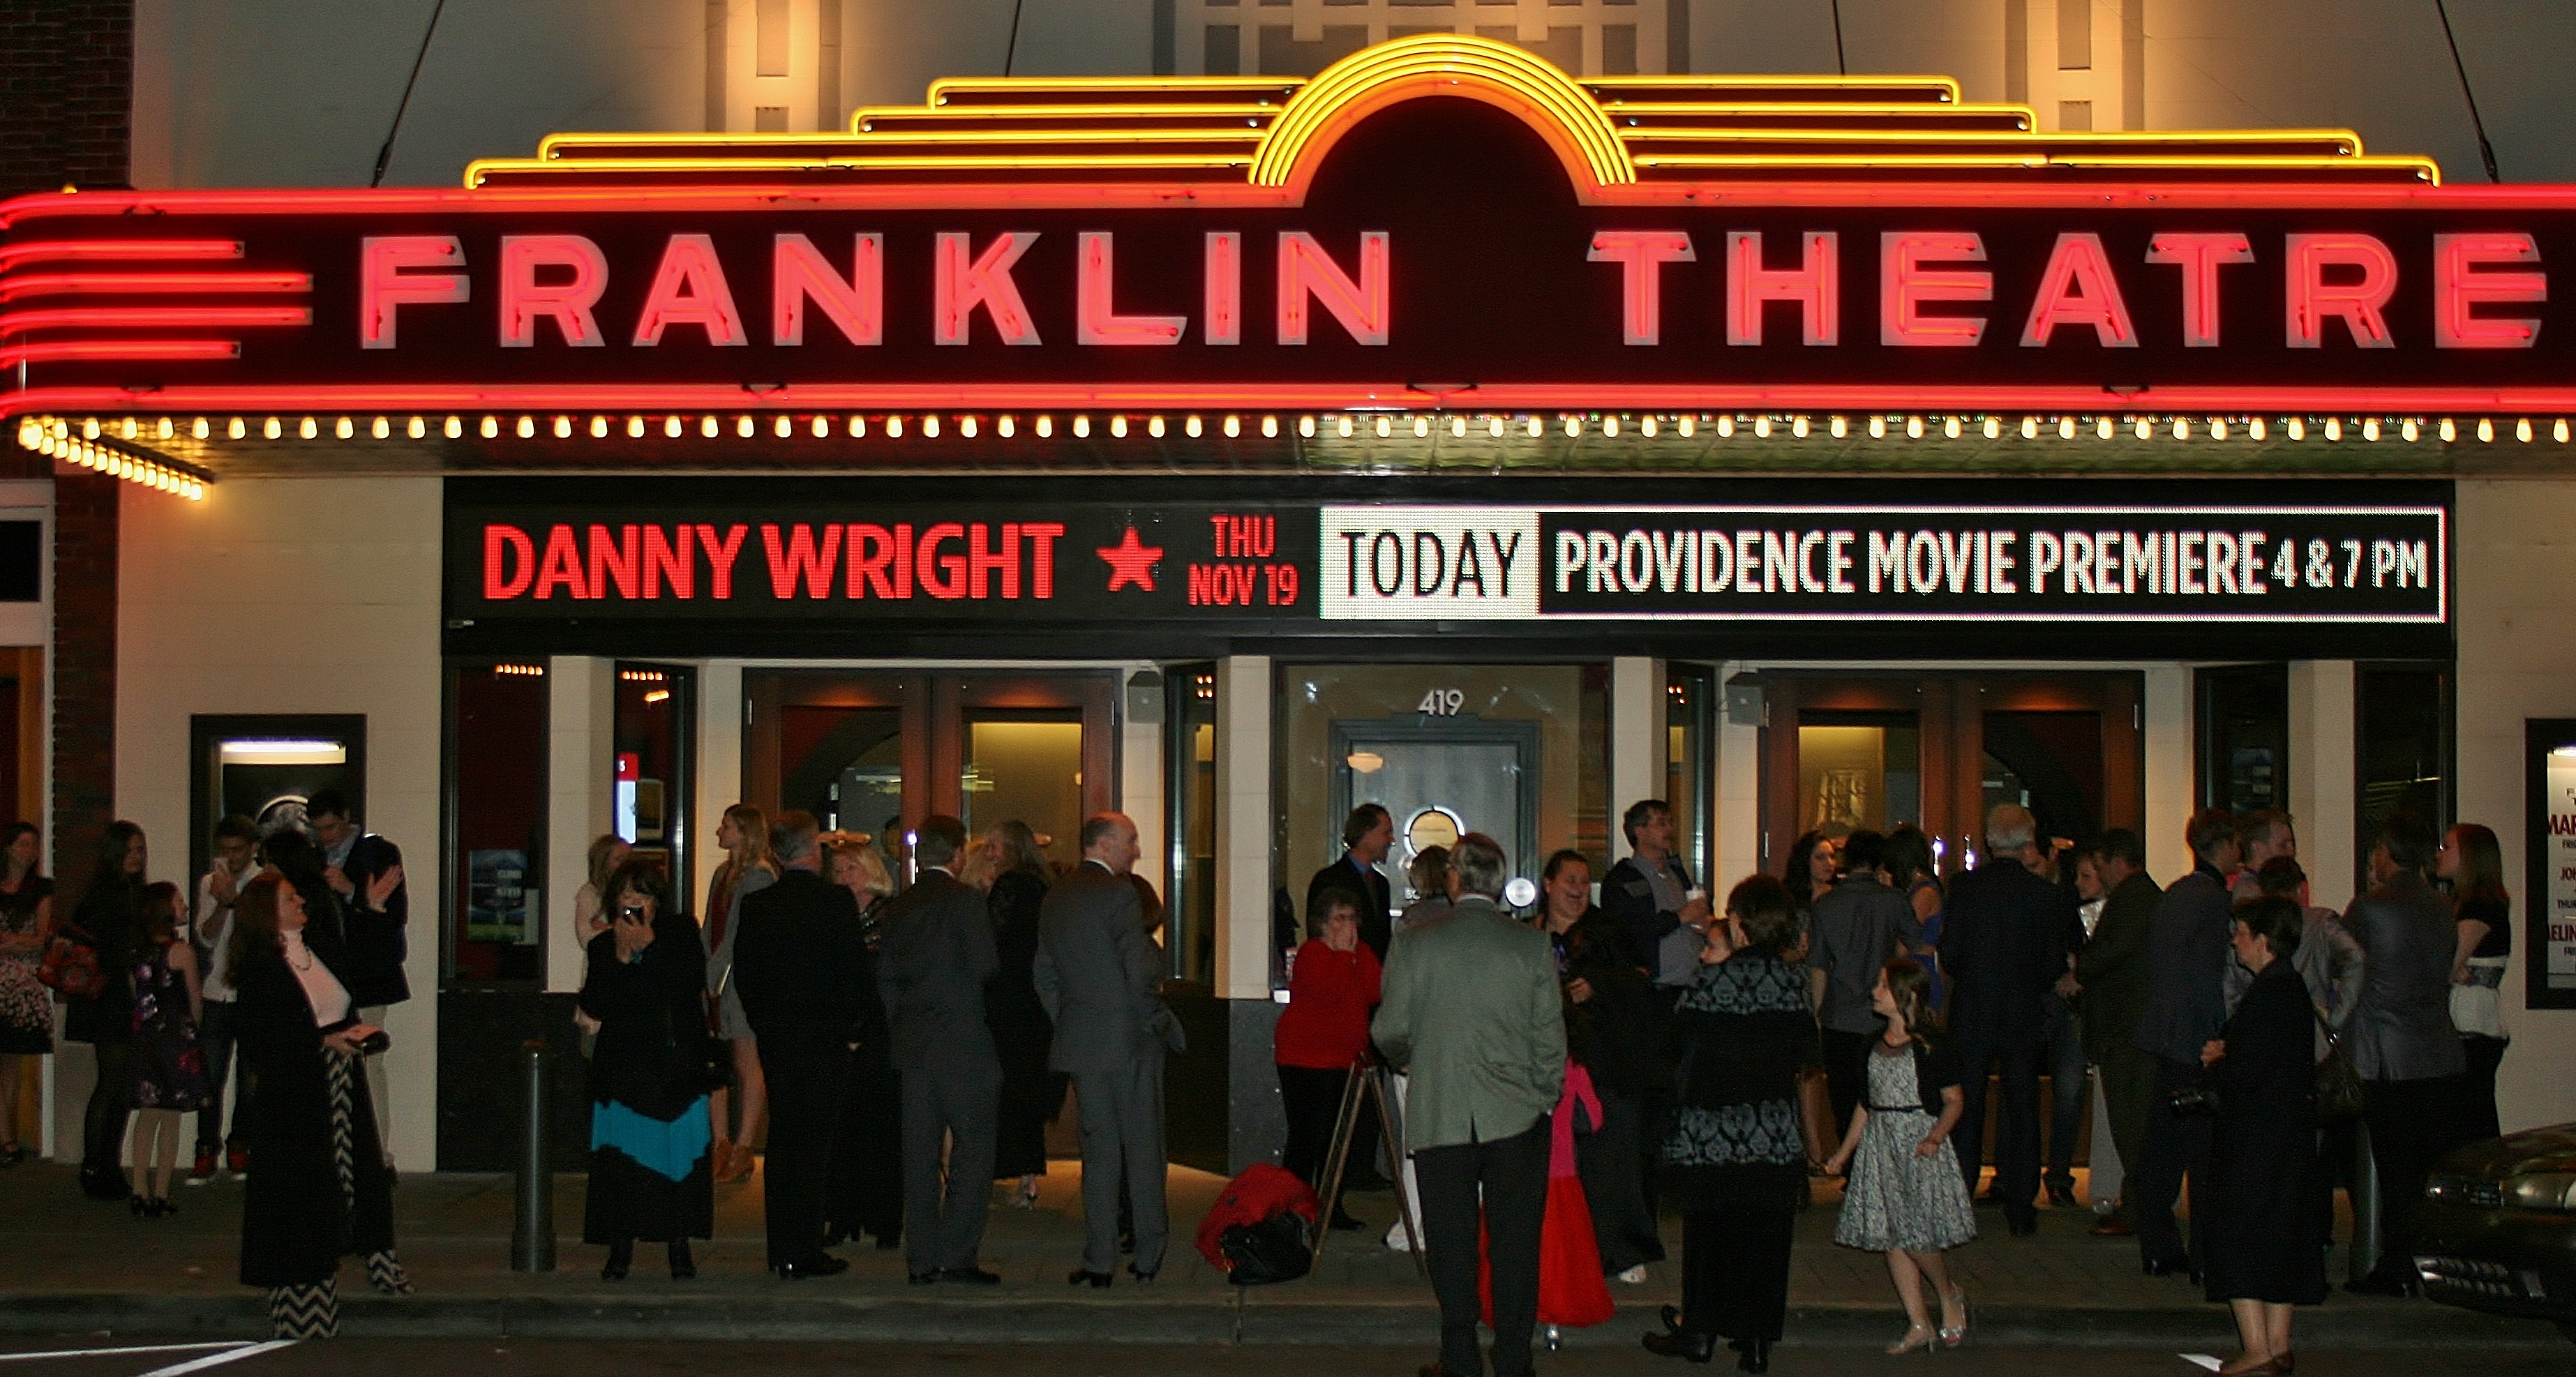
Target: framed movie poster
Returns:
[2549, 924]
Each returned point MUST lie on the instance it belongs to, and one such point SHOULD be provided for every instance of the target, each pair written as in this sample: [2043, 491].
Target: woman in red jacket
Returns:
[1324, 1031]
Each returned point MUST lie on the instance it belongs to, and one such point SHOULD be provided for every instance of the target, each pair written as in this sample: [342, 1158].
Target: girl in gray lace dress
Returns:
[1905, 1196]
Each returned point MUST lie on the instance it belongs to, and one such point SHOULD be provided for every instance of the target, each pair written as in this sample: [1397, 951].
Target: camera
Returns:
[631, 913]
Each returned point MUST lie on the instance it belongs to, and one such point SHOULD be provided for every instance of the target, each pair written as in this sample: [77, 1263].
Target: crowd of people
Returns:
[901, 1049]
[1847, 1018]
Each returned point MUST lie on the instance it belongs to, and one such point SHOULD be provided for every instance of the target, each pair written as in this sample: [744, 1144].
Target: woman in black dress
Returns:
[322, 1190]
[865, 1192]
[2471, 861]
[1735, 1161]
[2256, 1219]
[1031, 1094]
[650, 1073]
[108, 916]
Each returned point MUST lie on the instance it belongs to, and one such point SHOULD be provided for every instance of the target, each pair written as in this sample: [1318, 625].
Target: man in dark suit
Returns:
[2187, 956]
[1098, 975]
[934, 954]
[2404, 1047]
[2109, 983]
[797, 953]
[1367, 835]
[365, 873]
[2004, 938]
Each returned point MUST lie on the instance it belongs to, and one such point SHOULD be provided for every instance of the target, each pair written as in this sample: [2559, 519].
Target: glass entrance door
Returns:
[1846, 752]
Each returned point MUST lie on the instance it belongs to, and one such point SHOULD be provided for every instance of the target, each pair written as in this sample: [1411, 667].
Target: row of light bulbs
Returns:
[55, 441]
[1383, 425]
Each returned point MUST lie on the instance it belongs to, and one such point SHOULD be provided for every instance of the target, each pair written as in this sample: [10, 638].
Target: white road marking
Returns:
[113, 1352]
[233, 1355]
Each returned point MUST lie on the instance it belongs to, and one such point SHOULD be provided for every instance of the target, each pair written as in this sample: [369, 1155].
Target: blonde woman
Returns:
[749, 867]
[865, 1193]
[590, 915]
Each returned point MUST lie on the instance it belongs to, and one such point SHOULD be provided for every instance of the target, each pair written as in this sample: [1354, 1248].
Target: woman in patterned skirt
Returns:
[1735, 1163]
[322, 1190]
[26, 1006]
[1905, 1197]
[169, 1068]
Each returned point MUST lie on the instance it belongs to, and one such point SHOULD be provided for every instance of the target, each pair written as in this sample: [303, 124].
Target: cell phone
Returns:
[631, 913]
[374, 1043]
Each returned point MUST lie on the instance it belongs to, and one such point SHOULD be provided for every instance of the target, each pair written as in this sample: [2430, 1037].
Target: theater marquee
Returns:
[1437, 223]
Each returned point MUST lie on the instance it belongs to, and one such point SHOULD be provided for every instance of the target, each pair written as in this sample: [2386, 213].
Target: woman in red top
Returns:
[1325, 1030]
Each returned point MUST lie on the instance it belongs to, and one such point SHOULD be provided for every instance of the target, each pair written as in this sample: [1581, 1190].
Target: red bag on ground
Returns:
[1261, 1191]
[1572, 1293]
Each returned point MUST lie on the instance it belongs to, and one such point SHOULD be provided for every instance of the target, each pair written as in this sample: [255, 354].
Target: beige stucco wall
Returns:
[2517, 647]
[298, 595]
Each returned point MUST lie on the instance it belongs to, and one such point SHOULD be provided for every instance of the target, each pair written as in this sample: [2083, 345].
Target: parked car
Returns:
[2497, 1228]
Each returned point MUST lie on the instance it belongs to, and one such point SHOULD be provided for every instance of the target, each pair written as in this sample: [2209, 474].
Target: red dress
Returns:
[1572, 1293]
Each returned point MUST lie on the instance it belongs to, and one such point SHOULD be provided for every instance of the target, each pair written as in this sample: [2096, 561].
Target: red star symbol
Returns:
[1131, 561]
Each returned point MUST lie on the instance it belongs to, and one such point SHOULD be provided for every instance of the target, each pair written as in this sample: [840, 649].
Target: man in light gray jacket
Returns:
[1471, 1011]
[2403, 1045]
[1098, 974]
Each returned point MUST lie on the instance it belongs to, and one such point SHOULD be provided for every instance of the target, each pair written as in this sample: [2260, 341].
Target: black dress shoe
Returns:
[820, 1265]
[1757, 1355]
[621, 1256]
[683, 1266]
[929, 1278]
[1672, 1316]
[2061, 1193]
[971, 1276]
[2165, 1266]
[1083, 1276]
[1141, 1278]
[1686, 1344]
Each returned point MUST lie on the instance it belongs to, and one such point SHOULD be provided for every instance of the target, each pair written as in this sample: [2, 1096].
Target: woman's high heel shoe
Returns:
[1918, 1338]
[1682, 1343]
[135, 1206]
[683, 1266]
[1952, 1337]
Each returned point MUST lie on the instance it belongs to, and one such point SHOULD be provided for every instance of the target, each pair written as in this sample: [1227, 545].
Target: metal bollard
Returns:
[532, 1232]
[2364, 1254]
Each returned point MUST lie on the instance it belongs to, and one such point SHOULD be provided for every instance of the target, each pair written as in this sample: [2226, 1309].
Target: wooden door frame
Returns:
[1949, 708]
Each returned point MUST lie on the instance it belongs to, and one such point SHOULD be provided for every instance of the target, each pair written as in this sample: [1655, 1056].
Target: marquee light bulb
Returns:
[1726, 427]
[1646, 427]
[2217, 428]
[1689, 425]
[2370, 428]
[2486, 430]
[2255, 430]
[380, 429]
[1385, 427]
[2522, 430]
[2557, 431]
[858, 427]
[1269, 427]
[2181, 428]
[2449, 431]
[966, 426]
[342, 429]
[1610, 426]
[1192, 427]
[527, 428]
[1761, 427]
[1573, 427]
[1233, 426]
[235, 429]
[929, 426]
[782, 428]
[305, 429]
[1154, 427]
[2298, 428]
[894, 427]
[671, 427]
[1798, 428]
[1082, 427]
[1537, 427]
[1117, 427]
[454, 429]
[1046, 426]
[1007, 427]
[416, 428]
[2334, 428]
[1343, 427]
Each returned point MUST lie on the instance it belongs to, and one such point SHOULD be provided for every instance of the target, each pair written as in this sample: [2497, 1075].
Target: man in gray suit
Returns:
[1097, 974]
[1472, 1012]
[2403, 1046]
[934, 955]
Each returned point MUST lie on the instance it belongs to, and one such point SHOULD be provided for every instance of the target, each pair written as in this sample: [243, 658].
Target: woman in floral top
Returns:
[1735, 1164]
[26, 1006]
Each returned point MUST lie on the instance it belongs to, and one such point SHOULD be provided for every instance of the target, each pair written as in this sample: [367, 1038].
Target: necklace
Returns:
[294, 951]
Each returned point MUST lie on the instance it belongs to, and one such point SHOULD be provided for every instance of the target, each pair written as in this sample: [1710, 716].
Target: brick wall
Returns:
[66, 101]
[66, 93]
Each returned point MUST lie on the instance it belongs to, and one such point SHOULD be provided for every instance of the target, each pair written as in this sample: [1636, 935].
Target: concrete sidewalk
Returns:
[70, 1265]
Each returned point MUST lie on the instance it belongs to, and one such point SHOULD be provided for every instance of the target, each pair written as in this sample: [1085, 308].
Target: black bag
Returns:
[2339, 1094]
[1280, 1248]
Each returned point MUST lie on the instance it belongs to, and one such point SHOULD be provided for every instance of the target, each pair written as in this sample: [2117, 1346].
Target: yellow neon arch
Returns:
[1448, 64]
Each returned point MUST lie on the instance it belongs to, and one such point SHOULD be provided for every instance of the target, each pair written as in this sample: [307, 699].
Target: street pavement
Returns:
[468, 1358]
[72, 1267]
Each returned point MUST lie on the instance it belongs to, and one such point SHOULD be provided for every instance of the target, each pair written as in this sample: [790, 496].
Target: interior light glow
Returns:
[657, 695]
[284, 752]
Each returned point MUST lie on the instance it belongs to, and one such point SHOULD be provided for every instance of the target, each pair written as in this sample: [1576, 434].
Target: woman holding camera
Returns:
[650, 1074]
[2257, 1218]
[322, 1190]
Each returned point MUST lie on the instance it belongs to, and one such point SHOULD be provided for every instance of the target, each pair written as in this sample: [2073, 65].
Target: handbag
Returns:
[2339, 1094]
[1279, 1248]
[71, 965]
